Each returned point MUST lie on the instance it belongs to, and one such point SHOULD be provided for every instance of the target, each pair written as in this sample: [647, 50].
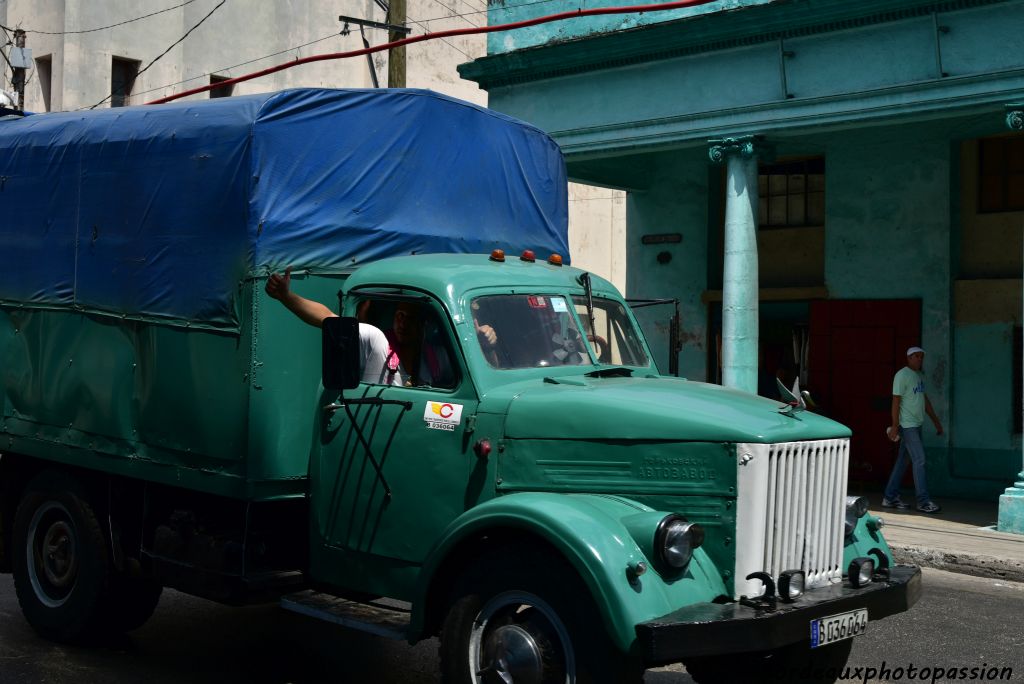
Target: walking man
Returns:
[909, 406]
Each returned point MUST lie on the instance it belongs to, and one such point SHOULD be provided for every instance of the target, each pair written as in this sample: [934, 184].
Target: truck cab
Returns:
[549, 480]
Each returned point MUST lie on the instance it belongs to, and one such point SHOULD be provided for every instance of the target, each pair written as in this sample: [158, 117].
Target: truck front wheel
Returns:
[517, 617]
[61, 565]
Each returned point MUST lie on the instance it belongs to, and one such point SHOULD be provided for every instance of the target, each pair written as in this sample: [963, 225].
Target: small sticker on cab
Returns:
[442, 415]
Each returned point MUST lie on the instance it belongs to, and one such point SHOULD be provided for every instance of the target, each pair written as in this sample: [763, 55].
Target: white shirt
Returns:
[373, 349]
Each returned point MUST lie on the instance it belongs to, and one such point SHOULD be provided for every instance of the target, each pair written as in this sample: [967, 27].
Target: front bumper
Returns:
[719, 629]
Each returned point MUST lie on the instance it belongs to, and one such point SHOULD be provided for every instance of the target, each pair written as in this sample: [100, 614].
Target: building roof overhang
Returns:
[695, 35]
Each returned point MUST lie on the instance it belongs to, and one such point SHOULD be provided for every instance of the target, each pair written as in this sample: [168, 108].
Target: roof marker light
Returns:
[555, 259]
[498, 255]
[527, 255]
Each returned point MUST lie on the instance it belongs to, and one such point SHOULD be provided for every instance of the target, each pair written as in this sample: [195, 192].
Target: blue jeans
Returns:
[910, 447]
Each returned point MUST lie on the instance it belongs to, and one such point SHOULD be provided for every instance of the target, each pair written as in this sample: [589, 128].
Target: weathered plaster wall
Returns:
[675, 202]
[984, 385]
[233, 41]
[791, 257]
[597, 231]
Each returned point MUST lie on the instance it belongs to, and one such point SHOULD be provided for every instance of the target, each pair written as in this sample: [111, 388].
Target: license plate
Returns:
[828, 630]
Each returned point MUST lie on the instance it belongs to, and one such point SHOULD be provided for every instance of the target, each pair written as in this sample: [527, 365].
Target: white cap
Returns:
[914, 350]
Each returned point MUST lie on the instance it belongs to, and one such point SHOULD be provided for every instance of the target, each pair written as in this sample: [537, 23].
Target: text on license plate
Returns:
[828, 630]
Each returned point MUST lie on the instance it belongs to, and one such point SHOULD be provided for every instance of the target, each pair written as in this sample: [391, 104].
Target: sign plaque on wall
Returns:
[661, 238]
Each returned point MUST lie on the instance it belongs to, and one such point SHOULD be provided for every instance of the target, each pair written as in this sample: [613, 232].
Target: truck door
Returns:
[395, 500]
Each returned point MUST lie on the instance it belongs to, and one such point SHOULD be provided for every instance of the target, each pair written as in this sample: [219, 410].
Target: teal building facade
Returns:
[821, 184]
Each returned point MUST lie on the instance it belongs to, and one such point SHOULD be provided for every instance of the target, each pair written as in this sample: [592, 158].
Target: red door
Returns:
[855, 349]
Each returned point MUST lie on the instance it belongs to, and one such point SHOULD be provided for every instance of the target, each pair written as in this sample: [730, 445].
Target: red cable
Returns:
[659, 7]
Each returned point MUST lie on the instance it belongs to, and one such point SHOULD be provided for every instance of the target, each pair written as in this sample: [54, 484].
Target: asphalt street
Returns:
[961, 622]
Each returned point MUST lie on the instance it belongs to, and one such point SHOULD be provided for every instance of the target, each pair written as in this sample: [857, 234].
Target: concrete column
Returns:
[1011, 503]
[740, 282]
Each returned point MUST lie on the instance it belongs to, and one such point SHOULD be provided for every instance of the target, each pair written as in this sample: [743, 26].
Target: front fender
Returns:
[589, 532]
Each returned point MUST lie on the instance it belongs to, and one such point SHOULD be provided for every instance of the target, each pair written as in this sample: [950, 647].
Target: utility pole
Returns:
[396, 56]
[18, 67]
[396, 65]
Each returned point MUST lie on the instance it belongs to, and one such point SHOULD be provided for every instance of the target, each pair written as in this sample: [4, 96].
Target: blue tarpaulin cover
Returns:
[161, 211]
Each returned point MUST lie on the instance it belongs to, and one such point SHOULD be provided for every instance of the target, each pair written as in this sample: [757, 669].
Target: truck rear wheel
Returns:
[61, 565]
[797, 663]
[517, 617]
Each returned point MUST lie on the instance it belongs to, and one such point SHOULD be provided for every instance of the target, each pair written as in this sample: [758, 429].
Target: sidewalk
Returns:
[960, 538]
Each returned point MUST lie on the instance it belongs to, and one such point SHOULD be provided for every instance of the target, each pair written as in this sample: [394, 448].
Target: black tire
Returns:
[61, 563]
[522, 614]
[798, 663]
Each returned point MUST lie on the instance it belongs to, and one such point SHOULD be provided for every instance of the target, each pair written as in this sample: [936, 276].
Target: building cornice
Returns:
[756, 25]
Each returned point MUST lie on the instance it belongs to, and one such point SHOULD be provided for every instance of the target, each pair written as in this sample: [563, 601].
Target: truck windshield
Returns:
[528, 331]
[535, 331]
[615, 340]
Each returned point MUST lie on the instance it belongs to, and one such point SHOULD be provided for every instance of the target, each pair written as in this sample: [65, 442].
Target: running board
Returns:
[384, 618]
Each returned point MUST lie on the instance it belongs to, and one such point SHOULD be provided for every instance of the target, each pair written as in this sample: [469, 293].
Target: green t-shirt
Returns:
[908, 384]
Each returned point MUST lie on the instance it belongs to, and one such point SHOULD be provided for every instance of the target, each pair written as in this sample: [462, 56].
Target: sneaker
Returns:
[929, 507]
[896, 503]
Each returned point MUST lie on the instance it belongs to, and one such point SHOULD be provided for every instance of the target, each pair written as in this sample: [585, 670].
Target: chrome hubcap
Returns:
[58, 554]
[519, 639]
[512, 655]
[52, 554]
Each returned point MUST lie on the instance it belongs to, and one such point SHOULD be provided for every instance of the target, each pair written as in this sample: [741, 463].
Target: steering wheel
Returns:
[603, 350]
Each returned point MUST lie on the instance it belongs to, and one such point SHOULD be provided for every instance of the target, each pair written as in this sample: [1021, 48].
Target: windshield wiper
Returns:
[616, 372]
[585, 282]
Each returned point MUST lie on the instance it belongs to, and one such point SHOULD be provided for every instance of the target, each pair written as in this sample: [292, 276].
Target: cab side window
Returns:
[419, 349]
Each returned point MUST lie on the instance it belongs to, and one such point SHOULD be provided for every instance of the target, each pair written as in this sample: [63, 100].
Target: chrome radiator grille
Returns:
[791, 510]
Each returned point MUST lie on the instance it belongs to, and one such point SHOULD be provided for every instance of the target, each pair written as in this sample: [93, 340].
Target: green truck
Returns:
[524, 484]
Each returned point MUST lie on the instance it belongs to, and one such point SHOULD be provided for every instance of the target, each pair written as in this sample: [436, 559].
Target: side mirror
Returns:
[341, 353]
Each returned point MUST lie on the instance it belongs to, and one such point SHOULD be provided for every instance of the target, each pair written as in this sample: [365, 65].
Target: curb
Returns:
[966, 564]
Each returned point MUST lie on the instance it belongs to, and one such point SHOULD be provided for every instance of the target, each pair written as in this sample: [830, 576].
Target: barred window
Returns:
[792, 194]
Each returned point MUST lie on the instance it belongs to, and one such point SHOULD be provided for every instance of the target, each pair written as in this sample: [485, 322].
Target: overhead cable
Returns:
[448, 43]
[573, 14]
[240, 64]
[102, 28]
[485, 11]
[143, 70]
[453, 10]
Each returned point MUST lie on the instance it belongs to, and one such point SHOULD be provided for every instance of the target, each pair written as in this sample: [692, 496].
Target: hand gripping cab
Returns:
[531, 489]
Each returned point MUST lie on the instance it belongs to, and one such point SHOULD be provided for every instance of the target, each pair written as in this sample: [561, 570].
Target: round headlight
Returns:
[856, 508]
[861, 571]
[676, 539]
[858, 505]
